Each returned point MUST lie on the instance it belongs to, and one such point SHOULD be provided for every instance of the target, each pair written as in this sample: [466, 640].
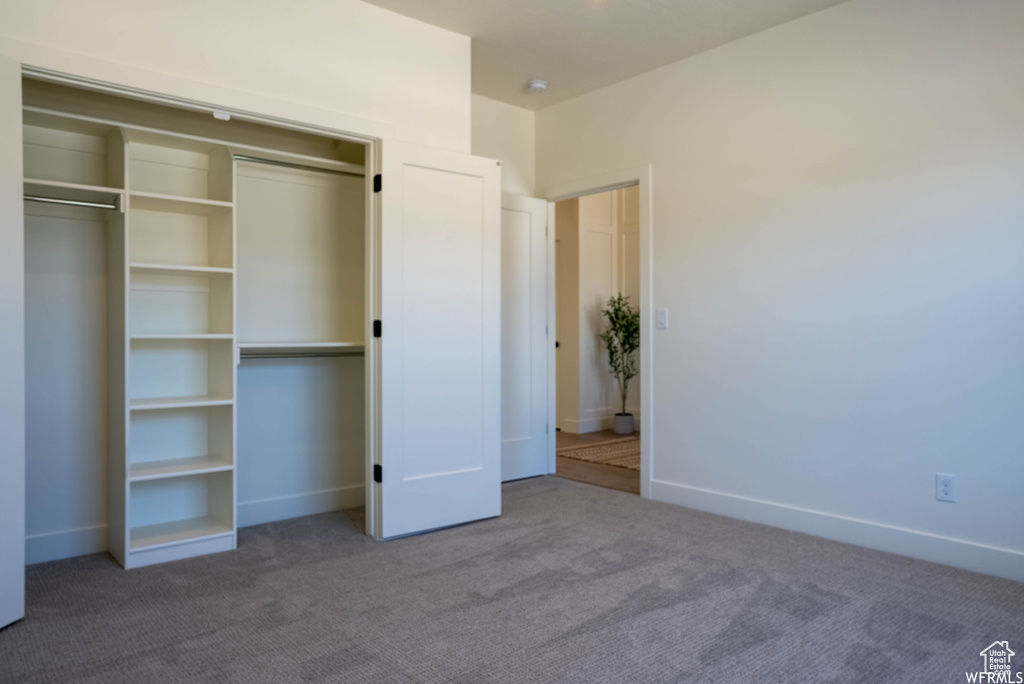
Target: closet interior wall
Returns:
[194, 355]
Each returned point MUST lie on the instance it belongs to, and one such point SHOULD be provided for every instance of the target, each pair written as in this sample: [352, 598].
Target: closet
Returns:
[196, 317]
[226, 323]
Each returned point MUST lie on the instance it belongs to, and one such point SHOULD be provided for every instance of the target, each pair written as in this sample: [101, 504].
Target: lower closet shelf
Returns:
[180, 531]
[177, 467]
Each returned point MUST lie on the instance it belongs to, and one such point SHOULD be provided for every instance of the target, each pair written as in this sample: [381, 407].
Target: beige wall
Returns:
[504, 132]
[330, 55]
[838, 233]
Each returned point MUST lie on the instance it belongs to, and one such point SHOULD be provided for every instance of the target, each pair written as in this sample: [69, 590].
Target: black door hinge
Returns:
[377, 183]
[376, 328]
[378, 473]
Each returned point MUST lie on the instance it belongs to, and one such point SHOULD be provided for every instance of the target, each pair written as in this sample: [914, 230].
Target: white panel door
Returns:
[440, 349]
[12, 350]
[524, 337]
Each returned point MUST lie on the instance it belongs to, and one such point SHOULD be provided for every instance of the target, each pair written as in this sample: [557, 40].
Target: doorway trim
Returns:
[614, 180]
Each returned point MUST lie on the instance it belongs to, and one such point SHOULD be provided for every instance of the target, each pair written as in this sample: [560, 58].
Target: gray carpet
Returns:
[573, 583]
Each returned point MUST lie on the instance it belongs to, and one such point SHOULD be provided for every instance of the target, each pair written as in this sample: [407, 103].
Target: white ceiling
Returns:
[582, 45]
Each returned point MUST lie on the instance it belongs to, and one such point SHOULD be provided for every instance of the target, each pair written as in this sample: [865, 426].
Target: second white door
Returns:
[440, 328]
[525, 329]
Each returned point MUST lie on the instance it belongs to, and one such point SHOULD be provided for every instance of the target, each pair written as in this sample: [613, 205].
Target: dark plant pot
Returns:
[623, 424]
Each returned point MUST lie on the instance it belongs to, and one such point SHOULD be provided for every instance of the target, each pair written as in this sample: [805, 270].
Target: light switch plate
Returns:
[661, 319]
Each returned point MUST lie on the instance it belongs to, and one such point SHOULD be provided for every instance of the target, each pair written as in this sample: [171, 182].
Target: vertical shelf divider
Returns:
[228, 158]
[118, 339]
[189, 507]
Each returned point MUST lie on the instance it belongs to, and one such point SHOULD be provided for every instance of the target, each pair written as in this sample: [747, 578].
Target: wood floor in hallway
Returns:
[613, 477]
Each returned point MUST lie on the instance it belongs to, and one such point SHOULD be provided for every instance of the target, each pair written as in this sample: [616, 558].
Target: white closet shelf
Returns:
[180, 531]
[36, 185]
[173, 269]
[178, 467]
[299, 346]
[198, 336]
[244, 155]
[178, 402]
[175, 204]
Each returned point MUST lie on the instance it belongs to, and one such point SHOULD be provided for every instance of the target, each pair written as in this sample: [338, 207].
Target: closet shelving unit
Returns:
[181, 320]
[168, 201]
[335, 344]
[170, 314]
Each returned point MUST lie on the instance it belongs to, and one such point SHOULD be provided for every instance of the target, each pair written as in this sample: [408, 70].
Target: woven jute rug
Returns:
[623, 452]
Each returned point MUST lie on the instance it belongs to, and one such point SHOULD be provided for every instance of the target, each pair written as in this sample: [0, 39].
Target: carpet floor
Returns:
[573, 583]
[623, 452]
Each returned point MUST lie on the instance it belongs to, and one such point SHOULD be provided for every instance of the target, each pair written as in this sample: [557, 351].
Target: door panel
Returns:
[12, 350]
[441, 339]
[524, 347]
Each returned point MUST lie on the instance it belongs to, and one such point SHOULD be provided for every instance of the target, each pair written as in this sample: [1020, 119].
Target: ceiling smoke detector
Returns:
[536, 86]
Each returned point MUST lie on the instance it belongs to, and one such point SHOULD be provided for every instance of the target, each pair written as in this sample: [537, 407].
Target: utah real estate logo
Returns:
[997, 666]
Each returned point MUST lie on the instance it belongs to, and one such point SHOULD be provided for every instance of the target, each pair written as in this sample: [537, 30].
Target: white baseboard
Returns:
[579, 427]
[298, 505]
[604, 421]
[960, 553]
[40, 548]
[566, 425]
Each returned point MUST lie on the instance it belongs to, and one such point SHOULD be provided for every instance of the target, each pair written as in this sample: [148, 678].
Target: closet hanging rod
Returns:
[300, 355]
[292, 165]
[77, 203]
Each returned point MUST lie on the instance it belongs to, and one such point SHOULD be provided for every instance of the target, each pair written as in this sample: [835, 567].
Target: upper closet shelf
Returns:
[71, 151]
[162, 165]
[297, 161]
[59, 192]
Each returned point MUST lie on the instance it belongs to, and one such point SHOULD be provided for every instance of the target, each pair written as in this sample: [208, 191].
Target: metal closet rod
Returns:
[299, 355]
[292, 165]
[76, 203]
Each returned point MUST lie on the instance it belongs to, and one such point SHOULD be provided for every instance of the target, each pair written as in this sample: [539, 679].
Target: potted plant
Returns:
[622, 339]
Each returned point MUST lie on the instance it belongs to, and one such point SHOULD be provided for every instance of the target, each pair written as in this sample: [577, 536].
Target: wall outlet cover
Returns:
[945, 487]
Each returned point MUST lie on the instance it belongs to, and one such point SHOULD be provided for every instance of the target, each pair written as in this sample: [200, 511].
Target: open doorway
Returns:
[597, 258]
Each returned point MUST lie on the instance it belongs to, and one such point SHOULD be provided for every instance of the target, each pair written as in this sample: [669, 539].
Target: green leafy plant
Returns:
[622, 339]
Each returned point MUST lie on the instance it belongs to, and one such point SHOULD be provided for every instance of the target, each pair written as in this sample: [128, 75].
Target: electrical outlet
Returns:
[945, 487]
